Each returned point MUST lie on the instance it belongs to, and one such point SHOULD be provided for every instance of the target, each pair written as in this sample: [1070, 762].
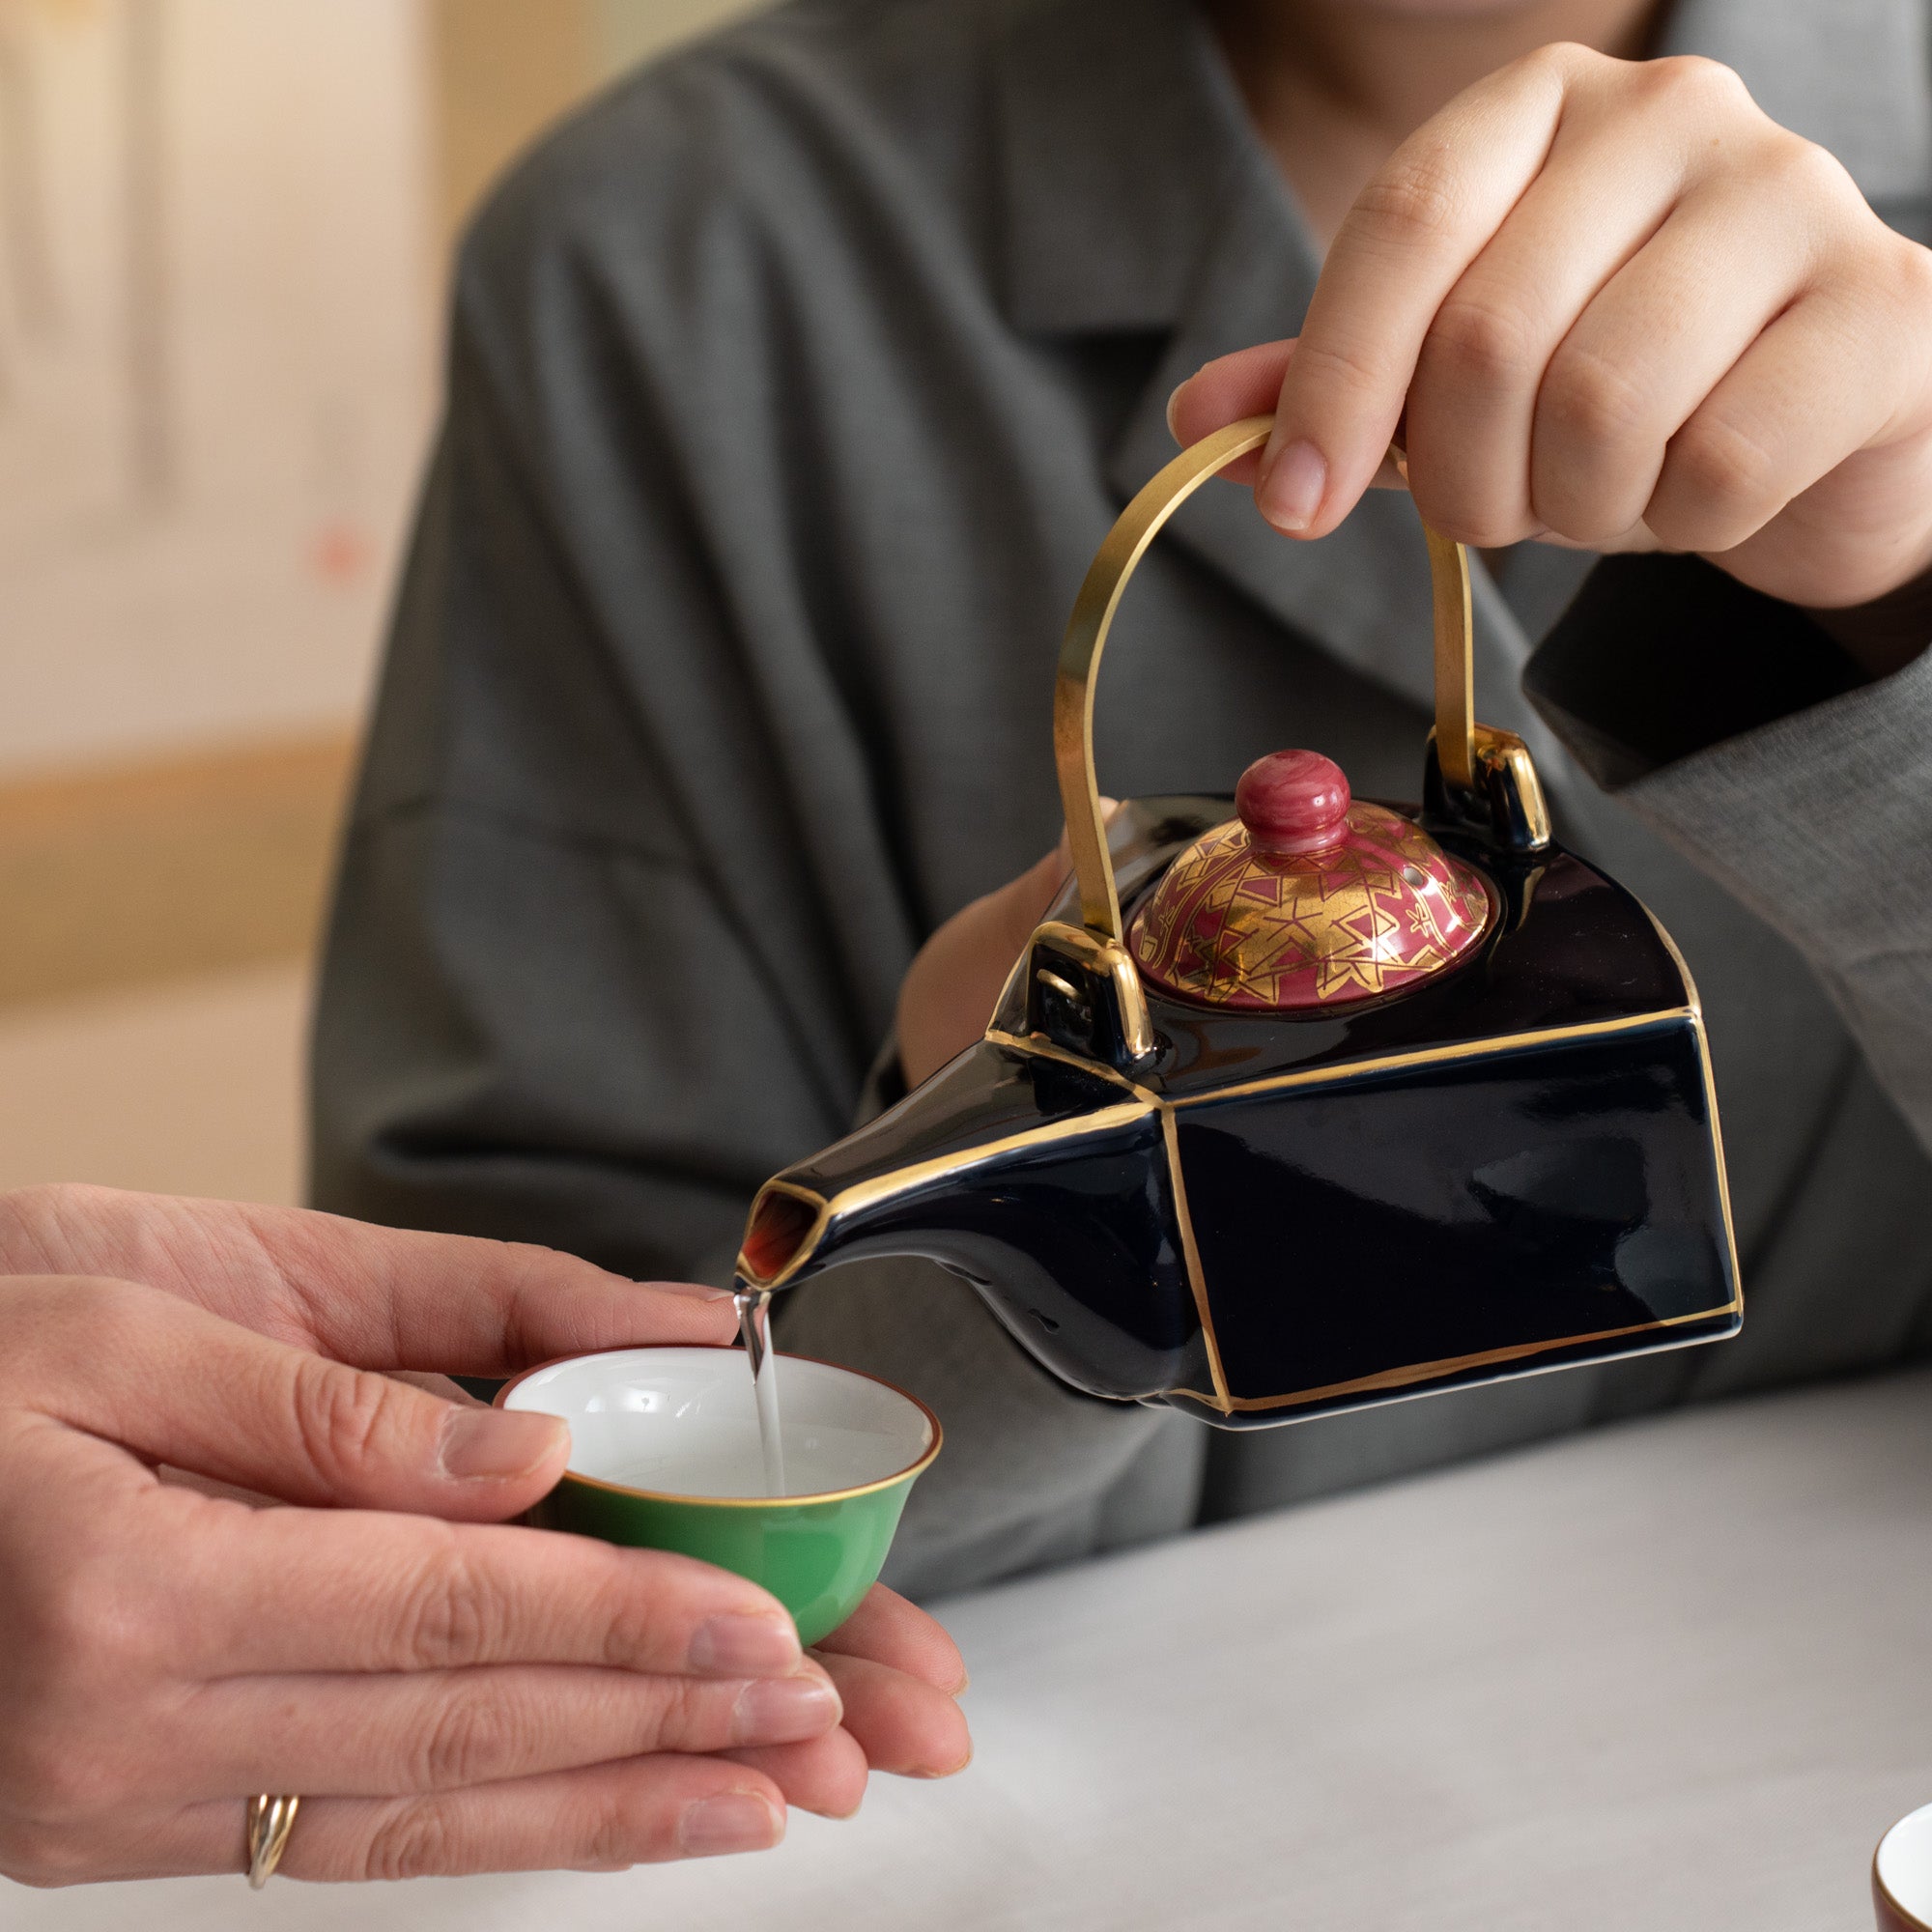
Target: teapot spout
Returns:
[1041, 1182]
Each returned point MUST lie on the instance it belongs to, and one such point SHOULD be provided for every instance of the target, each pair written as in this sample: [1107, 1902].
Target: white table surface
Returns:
[1674, 1677]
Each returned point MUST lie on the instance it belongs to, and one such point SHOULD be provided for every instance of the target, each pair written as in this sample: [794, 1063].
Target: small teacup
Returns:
[665, 1454]
[1902, 1874]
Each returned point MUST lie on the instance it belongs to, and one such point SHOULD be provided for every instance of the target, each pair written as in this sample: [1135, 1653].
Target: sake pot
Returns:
[1297, 1102]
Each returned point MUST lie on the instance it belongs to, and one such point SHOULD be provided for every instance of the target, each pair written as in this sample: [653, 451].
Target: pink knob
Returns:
[1293, 802]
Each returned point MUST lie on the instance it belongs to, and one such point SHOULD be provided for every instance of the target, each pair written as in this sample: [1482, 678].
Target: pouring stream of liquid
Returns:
[754, 1306]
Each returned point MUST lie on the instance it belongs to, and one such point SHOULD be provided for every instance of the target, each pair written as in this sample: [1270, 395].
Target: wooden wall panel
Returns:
[167, 869]
[502, 70]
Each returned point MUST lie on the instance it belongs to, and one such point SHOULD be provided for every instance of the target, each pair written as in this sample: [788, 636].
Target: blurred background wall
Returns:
[224, 231]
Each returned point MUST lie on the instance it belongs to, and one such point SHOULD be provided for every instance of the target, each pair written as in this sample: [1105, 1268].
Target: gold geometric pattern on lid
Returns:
[1384, 908]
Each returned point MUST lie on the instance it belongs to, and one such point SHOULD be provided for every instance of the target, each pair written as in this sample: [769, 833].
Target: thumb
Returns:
[178, 1385]
[1246, 384]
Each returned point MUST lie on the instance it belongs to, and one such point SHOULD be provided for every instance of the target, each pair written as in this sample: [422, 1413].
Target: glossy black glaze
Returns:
[1075, 1248]
[1515, 1201]
[1074, 1242]
[1457, 1211]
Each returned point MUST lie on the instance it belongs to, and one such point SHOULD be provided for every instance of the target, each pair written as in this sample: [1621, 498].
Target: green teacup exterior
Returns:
[818, 1559]
[817, 1554]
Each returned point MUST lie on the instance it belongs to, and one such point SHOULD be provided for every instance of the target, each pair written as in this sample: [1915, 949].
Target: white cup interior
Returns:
[1905, 1863]
[684, 1422]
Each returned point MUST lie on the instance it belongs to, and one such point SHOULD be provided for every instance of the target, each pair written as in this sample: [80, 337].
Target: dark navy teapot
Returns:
[1315, 1105]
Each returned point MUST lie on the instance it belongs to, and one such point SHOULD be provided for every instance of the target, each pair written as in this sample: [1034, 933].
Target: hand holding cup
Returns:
[447, 1693]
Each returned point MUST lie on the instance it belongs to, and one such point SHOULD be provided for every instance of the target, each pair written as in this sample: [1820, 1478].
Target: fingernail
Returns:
[744, 1645]
[735, 1822]
[1291, 486]
[480, 1443]
[951, 1771]
[784, 1711]
[1170, 401]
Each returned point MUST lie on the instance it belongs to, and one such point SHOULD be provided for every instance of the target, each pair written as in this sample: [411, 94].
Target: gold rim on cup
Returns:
[790, 1500]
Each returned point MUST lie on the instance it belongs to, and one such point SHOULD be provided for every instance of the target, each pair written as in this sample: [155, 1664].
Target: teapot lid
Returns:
[1307, 900]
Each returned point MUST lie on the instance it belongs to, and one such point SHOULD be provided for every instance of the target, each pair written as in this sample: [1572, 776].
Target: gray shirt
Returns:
[792, 385]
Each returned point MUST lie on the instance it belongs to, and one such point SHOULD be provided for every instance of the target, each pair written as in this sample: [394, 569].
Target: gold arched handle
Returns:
[1139, 524]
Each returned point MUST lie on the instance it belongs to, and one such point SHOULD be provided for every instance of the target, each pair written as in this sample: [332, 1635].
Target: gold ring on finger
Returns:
[270, 1820]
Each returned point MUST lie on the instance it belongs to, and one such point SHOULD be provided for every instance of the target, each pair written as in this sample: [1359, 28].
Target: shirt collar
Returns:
[1120, 135]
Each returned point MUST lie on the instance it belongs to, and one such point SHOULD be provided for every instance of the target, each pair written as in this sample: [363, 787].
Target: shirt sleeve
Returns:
[1743, 734]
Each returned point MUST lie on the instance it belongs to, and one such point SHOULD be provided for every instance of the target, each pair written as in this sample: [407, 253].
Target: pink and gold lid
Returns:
[1307, 900]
